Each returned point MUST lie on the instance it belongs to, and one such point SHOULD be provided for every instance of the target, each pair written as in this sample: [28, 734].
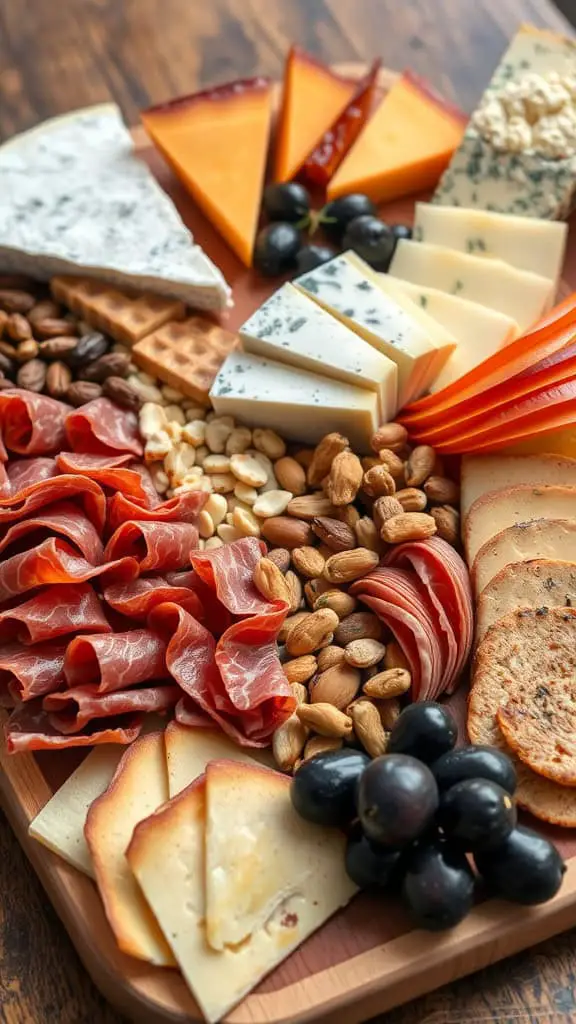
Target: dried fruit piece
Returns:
[82, 391]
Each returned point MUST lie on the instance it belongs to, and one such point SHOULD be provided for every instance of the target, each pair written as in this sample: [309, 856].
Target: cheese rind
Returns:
[300, 405]
[292, 329]
[74, 199]
[539, 583]
[539, 538]
[483, 474]
[497, 510]
[517, 293]
[525, 243]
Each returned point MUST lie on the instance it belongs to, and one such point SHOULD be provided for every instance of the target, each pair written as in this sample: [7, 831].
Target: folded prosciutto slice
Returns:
[116, 661]
[112, 471]
[64, 518]
[165, 547]
[29, 728]
[87, 494]
[54, 612]
[28, 672]
[229, 571]
[136, 600]
[185, 508]
[55, 561]
[71, 710]
[32, 424]
[23, 472]
[102, 428]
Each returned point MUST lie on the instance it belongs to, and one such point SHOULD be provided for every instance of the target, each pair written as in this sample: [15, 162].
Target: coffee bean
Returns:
[90, 347]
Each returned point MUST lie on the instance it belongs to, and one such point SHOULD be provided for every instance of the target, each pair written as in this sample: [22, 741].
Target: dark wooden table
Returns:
[59, 54]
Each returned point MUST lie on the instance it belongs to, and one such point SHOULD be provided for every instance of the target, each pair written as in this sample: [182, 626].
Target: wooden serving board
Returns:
[367, 959]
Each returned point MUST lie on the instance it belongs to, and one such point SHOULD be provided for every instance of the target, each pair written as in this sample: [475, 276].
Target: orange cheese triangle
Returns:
[313, 97]
[404, 148]
[217, 143]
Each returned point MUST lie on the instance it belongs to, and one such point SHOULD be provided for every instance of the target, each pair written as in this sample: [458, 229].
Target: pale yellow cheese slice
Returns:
[482, 474]
[189, 750]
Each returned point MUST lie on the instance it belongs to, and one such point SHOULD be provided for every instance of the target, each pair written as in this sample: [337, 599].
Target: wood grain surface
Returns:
[59, 54]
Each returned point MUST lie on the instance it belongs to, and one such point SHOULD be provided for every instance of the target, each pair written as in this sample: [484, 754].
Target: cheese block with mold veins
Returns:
[539, 583]
[480, 331]
[521, 295]
[524, 542]
[525, 243]
[483, 474]
[351, 294]
[74, 199]
[293, 329]
[523, 182]
[498, 509]
[301, 406]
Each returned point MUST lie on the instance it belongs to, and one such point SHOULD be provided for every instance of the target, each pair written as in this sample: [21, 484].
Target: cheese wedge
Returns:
[301, 406]
[188, 751]
[521, 295]
[497, 510]
[293, 329]
[217, 143]
[406, 145]
[539, 583]
[74, 199]
[483, 474]
[168, 856]
[60, 823]
[538, 539]
[313, 96]
[479, 331]
[524, 242]
[355, 298]
[138, 788]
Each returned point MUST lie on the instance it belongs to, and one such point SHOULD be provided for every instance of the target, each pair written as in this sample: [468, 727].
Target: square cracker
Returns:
[125, 317]
[186, 355]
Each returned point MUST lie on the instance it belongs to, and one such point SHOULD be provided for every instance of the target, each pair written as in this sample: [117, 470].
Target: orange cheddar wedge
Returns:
[217, 143]
[313, 97]
[405, 147]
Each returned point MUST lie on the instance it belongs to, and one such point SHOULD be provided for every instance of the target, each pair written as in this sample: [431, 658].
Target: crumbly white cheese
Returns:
[74, 198]
[534, 113]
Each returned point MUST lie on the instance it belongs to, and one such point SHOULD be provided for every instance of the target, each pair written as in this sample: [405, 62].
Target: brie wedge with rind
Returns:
[75, 199]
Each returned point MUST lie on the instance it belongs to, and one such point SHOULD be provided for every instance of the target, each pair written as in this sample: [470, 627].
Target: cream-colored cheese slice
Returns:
[188, 751]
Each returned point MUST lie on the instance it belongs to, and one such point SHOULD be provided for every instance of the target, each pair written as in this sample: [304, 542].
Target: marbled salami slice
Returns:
[29, 672]
[183, 509]
[71, 710]
[137, 599]
[116, 661]
[29, 728]
[229, 571]
[111, 471]
[24, 472]
[55, 611]
[165, 547]
[65, 519]
[102, 428]
[87, 494]
[32, 424]
[55, 561]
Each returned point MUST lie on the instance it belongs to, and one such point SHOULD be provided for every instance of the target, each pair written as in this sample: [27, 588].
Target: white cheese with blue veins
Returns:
[293, 329]
[301, 406]
[356, 299]
[75, 199]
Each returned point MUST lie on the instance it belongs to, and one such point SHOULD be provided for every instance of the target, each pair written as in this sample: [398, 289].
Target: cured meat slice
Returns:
[32, 424]
[163, 546]
[214, 615]
[29, 728]
[29, 672]
[229, 571]
[23, 472]
[4, 481]
[54, 612]
[107, 470]
[55, 561]
[137, 599]
[116, 661]
[152, 499]
[185, 508]
[402, 633]
[101, 428]
[71, 710]
[86, 493]
[66, 519]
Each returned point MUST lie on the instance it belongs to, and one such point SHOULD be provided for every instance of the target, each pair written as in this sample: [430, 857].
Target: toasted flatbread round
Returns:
[540, 538]
[527, 647]
[539, 727]
[540, 583]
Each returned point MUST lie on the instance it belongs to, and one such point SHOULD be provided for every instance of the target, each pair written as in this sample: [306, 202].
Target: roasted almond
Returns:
[27, 350]
[364, 653]
[17, 327]
[369, 461]
[344, 479]
[334, 534]
[311, 633]
[112, 364]
[350, 565]
[383, 509]
[392, 682]
[309, 506]
[348, 514]
[325, 719]
[289, 623]
[308, 561]
[58, 379]
[337, 685]
[420, 465]
[358, 626]
[391, 436]
[54, 327]
[442, 491]
[314, 588]
[447, 521]
[367, 534]
[288, 742]
[304, 457]
[290, 475]
[270, 582]
[408, 526]
[395, 657]
[280, 557]
[324, 454]
[393, 463]
[56, 348]
[82, 391]
[13, 300]
[389, 712]
[300, 693]
[32, 375]
[46, 309]
[378, 482]
[295, 588]
[329, 656]
[411, 499]
[368, 728]
[121, 392]
[321, 745]
[287, 532]
[300, 670]
[338, 600]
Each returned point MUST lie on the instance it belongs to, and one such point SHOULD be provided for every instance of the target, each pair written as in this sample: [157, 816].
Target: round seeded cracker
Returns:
[521, 652]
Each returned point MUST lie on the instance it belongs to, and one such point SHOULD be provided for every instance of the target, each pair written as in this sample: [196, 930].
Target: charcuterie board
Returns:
[362, 962]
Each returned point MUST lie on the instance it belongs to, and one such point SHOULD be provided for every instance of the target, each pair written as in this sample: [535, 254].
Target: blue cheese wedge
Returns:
[301, 406]
[525, 243]
[480, 331]
[75, 199]
[493, 283]
[351, 294]
[291, 328]
[518, 154]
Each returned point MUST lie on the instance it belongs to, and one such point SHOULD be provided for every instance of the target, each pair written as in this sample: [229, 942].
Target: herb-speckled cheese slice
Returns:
[521, 183]
[493, 283]
[355, 298]
[480, 331]
[300, 405]
[525, 243]
[293, 329]
[74, 199]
